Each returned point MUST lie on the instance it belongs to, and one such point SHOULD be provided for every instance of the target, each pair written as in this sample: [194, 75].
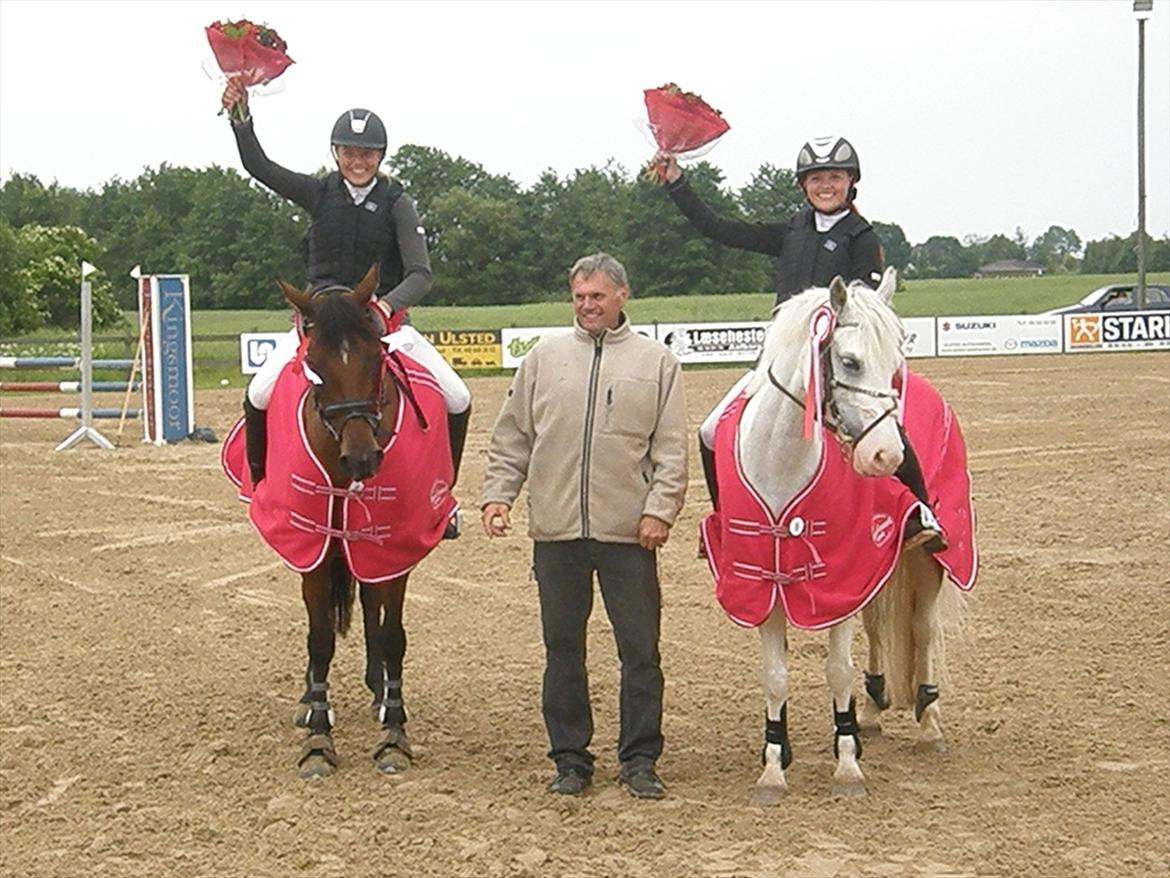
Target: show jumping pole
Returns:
[86, 430]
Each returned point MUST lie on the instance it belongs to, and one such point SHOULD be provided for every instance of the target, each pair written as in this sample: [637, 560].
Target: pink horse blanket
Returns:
[832, 548]
[385, 525]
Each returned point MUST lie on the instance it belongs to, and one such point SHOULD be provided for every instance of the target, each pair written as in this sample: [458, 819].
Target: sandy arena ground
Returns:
[152, 649]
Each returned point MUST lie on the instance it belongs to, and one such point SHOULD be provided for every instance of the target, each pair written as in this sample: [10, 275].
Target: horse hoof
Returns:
[767, 796]
[931, 745]
[848, 791]
[318, 758]
[393, 754]
[314, 767]
[301, 717]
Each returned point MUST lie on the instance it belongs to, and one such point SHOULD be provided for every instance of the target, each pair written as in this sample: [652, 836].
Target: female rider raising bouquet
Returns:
[828, 237]
[359, 218]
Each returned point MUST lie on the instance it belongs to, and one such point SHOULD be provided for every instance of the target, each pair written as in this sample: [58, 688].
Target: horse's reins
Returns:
[833, 414]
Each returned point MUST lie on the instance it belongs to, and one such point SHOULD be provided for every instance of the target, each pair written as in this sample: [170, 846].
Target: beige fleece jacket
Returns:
[597, 427]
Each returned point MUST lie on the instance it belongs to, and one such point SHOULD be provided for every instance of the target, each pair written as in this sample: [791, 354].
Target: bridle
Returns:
[368, 410]
[833, 419]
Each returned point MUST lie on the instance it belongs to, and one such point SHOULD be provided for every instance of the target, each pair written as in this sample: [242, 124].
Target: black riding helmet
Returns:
[823, 153]
[359, 127]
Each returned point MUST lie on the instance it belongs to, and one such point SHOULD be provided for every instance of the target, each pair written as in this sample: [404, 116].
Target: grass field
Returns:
[217, 360]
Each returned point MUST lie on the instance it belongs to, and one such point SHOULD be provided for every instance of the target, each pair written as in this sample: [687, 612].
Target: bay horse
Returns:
[834, 354]
[360, 404]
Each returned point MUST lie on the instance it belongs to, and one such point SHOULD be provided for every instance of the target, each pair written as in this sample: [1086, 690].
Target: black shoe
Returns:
[569, 782]
[643, 783]
[454, 528]
[923, 529]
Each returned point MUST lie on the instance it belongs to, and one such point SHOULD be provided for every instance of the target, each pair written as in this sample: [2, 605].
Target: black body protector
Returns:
[345, 239]
[809, 258]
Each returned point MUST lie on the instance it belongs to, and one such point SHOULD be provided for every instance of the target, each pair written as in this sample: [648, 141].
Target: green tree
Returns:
[994, 249]
[24, 200]
[18, 309]
[481, 241]
[771, 196]
[895, 247]
[51, 257]
[1057, 249]
[940, 256]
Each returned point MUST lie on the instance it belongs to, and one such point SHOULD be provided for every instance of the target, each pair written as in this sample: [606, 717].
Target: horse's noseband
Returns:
[833, 420]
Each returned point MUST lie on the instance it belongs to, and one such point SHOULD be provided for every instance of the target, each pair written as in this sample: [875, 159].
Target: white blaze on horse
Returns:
[809, 521]
[357, 489]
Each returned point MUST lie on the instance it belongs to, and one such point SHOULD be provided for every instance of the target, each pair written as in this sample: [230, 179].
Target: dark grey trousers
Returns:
[628, 576]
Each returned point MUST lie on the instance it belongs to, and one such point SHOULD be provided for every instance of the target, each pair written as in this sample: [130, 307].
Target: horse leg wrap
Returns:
[776, 732]
[927, 695]
[875, 687]
[393, 711]
[845, 724]
[319, 707]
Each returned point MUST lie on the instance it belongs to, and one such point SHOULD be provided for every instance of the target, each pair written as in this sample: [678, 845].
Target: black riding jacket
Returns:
[804, 257]
[344, 239]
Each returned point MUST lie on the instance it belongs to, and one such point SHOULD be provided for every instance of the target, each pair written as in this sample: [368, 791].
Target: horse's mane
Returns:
[789, 328]
[337, 319]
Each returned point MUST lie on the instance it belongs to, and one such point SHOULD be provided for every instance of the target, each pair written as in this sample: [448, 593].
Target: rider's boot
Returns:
[707, 456]
[256, 440]
[922, 528]
[457, 436]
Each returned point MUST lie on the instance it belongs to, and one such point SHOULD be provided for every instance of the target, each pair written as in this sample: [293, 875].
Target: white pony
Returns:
[835, 351]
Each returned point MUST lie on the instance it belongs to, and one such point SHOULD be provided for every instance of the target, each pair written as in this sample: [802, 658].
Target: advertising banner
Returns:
[737, 342]
[468, 348]
[1122, 331]
[255, 348]
[516, 342]
[987, 335]
[920, 337]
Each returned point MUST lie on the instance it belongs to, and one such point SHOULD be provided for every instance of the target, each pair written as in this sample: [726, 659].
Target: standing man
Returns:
[596, 423]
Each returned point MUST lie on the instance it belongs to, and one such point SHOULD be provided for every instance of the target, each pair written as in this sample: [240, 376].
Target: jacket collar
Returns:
[608, 336]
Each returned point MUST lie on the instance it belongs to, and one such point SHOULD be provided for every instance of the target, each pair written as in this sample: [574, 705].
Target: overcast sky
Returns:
[969, 117]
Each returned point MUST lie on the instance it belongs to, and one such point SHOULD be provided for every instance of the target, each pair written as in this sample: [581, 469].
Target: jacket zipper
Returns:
[590, 411]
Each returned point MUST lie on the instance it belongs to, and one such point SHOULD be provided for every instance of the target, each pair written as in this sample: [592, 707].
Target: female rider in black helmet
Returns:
[359, 217]
[827, 238]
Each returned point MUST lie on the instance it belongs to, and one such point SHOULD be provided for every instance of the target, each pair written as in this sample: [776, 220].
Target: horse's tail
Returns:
[340, 592]
[915, 606]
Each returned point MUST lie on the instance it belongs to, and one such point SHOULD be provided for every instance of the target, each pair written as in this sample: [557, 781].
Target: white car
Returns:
[1118, 297]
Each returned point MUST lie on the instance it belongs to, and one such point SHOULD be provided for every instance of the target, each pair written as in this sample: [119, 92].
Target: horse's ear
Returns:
[366, 286]
[888, 285]
[299, 299]
[838, 292]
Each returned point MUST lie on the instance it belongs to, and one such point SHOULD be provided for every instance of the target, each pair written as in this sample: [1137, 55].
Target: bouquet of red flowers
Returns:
[682, 122]
[252, 53]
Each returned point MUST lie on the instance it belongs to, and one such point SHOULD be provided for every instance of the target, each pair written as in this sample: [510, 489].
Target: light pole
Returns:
[1141, 11]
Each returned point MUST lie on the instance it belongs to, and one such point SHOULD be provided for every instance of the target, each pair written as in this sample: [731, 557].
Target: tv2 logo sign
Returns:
[255, 348]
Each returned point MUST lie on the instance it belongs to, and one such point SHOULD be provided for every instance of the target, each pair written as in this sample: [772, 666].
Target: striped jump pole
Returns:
[61, 362]
[67, 413]
[67, 386]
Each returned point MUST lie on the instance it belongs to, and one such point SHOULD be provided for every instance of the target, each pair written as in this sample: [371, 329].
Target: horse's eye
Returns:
[850, 363]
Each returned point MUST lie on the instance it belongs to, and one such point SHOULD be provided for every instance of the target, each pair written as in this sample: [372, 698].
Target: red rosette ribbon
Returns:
[253, 54]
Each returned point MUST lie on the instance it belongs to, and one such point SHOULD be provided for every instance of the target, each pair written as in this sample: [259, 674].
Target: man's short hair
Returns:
[587, 266]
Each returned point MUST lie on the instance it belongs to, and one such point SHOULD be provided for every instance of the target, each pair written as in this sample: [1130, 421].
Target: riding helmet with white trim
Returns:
[831, 152]
[359, 127]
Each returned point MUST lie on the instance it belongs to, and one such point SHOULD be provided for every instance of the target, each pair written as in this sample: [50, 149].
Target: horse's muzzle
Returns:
[361, 466]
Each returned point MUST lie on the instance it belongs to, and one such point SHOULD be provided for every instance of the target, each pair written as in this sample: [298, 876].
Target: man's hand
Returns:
[652, 532]
[496, 519]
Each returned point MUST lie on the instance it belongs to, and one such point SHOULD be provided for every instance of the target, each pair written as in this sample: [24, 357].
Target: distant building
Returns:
[1010, 268]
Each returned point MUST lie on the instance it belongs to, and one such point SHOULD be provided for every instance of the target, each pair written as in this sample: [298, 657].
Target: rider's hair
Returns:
[587, 266]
